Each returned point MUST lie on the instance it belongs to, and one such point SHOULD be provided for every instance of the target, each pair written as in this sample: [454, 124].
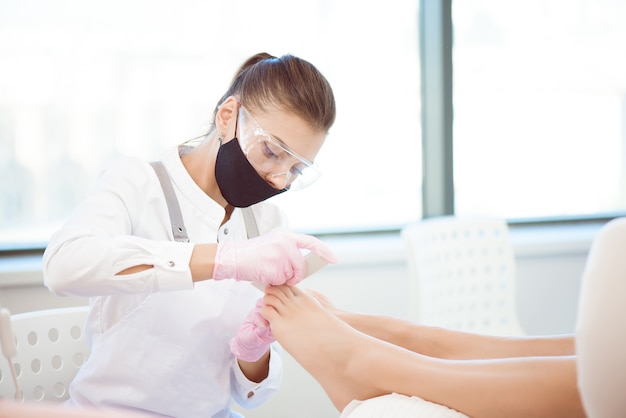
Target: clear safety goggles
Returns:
[274, 161]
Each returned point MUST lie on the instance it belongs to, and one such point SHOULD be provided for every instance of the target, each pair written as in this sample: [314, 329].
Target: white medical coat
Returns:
[158, 342]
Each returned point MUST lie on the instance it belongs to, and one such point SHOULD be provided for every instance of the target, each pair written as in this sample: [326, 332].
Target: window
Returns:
[85, 82]
[539, 107]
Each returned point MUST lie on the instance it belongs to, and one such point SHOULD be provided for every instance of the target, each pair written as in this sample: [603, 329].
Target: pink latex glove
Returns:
[254, 336]
[274, 258]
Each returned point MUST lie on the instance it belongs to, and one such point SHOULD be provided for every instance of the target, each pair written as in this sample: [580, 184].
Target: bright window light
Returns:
[539, 108]
[83, 82]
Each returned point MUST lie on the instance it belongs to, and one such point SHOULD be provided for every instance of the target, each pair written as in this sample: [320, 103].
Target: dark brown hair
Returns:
[289, 83]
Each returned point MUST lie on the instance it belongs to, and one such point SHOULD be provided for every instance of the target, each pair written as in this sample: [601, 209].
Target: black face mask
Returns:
[238, 181]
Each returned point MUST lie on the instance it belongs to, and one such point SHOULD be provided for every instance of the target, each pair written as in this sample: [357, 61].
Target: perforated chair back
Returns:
[50, 351]
[463, 274]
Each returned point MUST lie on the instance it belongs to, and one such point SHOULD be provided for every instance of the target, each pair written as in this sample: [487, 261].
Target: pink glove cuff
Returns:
[225, 251]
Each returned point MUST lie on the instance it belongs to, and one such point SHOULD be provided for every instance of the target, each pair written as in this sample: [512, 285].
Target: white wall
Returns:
[372, 276]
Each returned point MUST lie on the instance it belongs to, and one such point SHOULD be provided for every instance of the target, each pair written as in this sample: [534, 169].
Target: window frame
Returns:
[436, 43]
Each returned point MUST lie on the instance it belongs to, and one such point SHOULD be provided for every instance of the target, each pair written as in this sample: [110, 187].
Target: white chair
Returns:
[600, 332]
[462, 272]
[50, 350]
[398, 406]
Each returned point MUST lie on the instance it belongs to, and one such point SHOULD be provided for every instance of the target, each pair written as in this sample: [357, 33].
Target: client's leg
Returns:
[446, 343]
[351, 365]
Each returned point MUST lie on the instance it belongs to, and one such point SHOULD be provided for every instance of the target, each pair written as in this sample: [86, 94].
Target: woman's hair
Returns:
[289, 83]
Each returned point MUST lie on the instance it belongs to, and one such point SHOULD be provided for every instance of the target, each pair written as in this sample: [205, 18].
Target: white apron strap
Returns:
[176, 217]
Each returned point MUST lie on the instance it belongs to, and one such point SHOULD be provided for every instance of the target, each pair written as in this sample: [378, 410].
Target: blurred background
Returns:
[510, 109]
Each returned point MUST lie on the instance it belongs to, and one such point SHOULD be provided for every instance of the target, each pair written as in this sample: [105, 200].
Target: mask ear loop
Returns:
[236, 123]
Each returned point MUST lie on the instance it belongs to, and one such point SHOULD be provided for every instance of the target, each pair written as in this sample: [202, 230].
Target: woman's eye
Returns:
[268, 151]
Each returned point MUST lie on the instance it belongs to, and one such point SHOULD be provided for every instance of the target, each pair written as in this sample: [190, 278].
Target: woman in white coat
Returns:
[162, 251]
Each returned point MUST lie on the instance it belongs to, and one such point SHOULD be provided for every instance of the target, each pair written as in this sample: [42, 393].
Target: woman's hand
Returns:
[274, 258]
[254, 336]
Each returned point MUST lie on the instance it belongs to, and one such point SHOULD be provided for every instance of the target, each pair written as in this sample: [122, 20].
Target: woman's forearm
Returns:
[256, 371]
[202, 261]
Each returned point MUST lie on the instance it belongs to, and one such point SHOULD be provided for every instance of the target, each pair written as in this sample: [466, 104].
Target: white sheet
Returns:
[398, 406]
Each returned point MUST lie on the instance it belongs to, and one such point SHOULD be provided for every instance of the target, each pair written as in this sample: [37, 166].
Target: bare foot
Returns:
[335, 354]
[348, 317]
[324, 301]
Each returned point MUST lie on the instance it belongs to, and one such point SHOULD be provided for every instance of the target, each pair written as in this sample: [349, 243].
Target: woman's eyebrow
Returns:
[284, 145]
[280, 141]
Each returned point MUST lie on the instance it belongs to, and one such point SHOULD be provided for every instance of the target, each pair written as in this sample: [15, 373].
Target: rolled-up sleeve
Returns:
[250, 394]
[90, 266]
[121, 224]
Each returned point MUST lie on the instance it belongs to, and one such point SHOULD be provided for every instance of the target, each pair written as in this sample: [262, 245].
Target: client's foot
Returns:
[324, 301]
[336, 355]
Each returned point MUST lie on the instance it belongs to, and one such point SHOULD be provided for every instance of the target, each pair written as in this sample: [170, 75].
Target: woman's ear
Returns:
[226, 118]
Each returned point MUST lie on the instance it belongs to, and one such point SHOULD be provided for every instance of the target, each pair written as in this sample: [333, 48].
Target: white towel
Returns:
[398, 406]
